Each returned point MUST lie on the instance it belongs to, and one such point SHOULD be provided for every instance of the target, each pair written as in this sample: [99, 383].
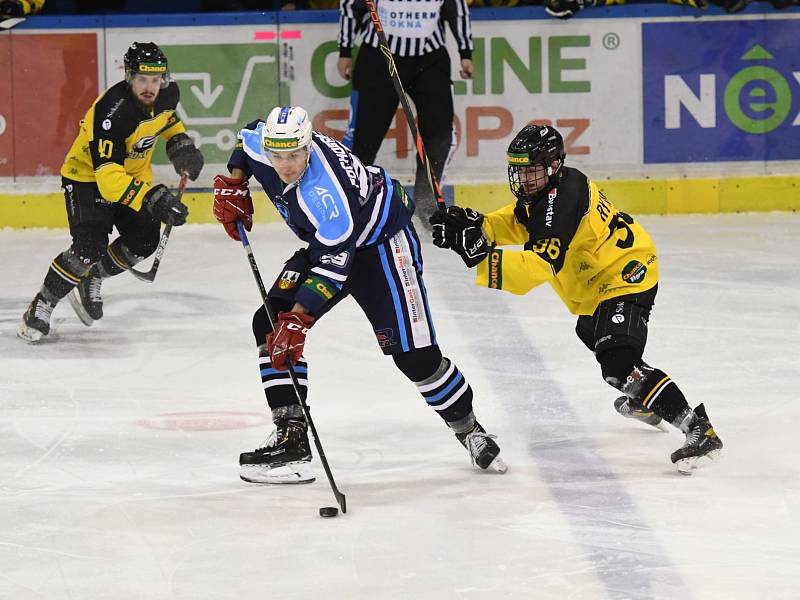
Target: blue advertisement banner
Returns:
[721, 91]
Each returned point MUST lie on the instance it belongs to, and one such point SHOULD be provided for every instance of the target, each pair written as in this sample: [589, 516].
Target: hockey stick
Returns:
[10, 22]
[340, 498]
[150, 275]
[401, 93]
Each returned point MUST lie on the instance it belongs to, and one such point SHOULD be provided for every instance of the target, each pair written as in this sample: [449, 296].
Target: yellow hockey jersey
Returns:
[575, 240]
[115, 144]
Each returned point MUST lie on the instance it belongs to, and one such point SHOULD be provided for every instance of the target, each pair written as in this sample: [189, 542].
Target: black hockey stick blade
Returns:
[150, 275]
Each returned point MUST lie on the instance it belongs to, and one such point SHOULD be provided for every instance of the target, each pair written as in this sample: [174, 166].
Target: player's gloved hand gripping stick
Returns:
[340, 497]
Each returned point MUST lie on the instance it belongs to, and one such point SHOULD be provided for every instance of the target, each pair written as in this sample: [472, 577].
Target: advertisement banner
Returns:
[226, 80]
[54, 82]
[6, 112]
[569, 77]
[732, 94]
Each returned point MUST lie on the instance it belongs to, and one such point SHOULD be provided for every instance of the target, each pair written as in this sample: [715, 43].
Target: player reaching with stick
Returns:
[600, 261]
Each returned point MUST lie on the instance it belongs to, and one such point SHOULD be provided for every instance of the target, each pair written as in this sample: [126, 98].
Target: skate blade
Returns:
[292, 473]
[498, 465]
[75, 302]
[686, 466]
[29, 334]
[661, 426]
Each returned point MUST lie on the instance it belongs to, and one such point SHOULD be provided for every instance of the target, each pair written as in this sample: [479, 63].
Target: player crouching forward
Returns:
[600, 262]
[356, 221]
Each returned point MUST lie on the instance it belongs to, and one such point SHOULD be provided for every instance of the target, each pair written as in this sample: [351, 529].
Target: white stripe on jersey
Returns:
[377, 209]
[403, 260]
[329, 274]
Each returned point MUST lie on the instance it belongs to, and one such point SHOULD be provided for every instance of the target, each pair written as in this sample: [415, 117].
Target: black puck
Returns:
[328, 512]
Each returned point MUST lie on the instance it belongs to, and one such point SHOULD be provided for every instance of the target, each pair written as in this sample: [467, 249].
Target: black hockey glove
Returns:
[11, 8]
[165, 206]
[460, 230]
[564, 9]
[184, 156]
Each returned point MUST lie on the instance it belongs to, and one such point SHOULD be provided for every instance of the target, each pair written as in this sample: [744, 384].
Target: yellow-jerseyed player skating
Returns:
[599, 260]
[108, 182]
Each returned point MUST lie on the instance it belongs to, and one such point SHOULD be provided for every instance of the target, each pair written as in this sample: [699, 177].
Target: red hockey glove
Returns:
[287, 341]
[232, 201]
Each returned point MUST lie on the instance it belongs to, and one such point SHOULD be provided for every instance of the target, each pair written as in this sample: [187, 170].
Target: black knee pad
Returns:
[144, 241]
[89, 246]
[261, 324]
[618, 362]
[419, 364]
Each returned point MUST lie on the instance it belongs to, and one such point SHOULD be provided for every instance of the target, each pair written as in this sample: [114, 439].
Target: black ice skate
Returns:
[86, 299]
[482, 448]
[633, 409]
[283, 458]
[701, 441]
[36, 320]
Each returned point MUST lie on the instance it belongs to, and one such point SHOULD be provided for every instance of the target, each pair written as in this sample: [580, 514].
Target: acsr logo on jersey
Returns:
[733, 94]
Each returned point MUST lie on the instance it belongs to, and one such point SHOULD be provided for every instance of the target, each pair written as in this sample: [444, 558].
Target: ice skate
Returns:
[36, 320]
[701, 442]
[86, 299]
[482, 448]
[633, 409]
[284, 457]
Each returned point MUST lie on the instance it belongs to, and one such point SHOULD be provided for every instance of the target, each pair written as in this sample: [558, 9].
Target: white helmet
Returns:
[287, 128]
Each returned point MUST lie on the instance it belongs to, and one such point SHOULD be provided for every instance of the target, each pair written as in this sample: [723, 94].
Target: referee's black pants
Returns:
[426, 80]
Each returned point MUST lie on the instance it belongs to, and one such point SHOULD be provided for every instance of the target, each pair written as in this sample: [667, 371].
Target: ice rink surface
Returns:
[119, 442]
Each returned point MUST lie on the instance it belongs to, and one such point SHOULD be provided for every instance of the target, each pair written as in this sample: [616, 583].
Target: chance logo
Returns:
[633, 272]
[740, 102]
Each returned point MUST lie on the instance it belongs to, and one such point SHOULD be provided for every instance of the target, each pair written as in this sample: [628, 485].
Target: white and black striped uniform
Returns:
[415, 32]
[412, 27]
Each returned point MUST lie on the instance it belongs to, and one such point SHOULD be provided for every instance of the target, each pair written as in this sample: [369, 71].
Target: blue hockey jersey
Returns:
[338, 206]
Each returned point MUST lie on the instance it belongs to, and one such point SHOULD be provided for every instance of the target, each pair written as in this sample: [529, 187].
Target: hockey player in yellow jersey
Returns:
[108, 182]
[599, 260]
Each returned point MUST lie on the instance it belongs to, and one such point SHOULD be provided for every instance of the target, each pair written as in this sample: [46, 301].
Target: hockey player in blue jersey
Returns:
[356, 222]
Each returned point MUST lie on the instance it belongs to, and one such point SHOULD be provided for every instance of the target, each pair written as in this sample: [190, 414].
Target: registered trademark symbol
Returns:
[611, 41]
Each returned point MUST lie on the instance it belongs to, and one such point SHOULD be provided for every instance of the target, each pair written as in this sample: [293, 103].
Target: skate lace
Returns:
[270, 441]
[476, 442]
[93, 289]
[43, 310]
[694, 435]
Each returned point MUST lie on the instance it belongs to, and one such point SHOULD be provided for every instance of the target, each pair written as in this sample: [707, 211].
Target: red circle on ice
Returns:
[204, 421]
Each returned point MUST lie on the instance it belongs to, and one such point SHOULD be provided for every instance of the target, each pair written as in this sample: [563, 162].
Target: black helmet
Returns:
[534, 145]
[148, 59]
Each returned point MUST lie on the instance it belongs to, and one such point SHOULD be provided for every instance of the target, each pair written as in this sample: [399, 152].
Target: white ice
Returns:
[119, 442]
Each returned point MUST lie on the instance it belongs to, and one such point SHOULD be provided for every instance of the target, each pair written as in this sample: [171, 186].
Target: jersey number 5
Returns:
[622, 221]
